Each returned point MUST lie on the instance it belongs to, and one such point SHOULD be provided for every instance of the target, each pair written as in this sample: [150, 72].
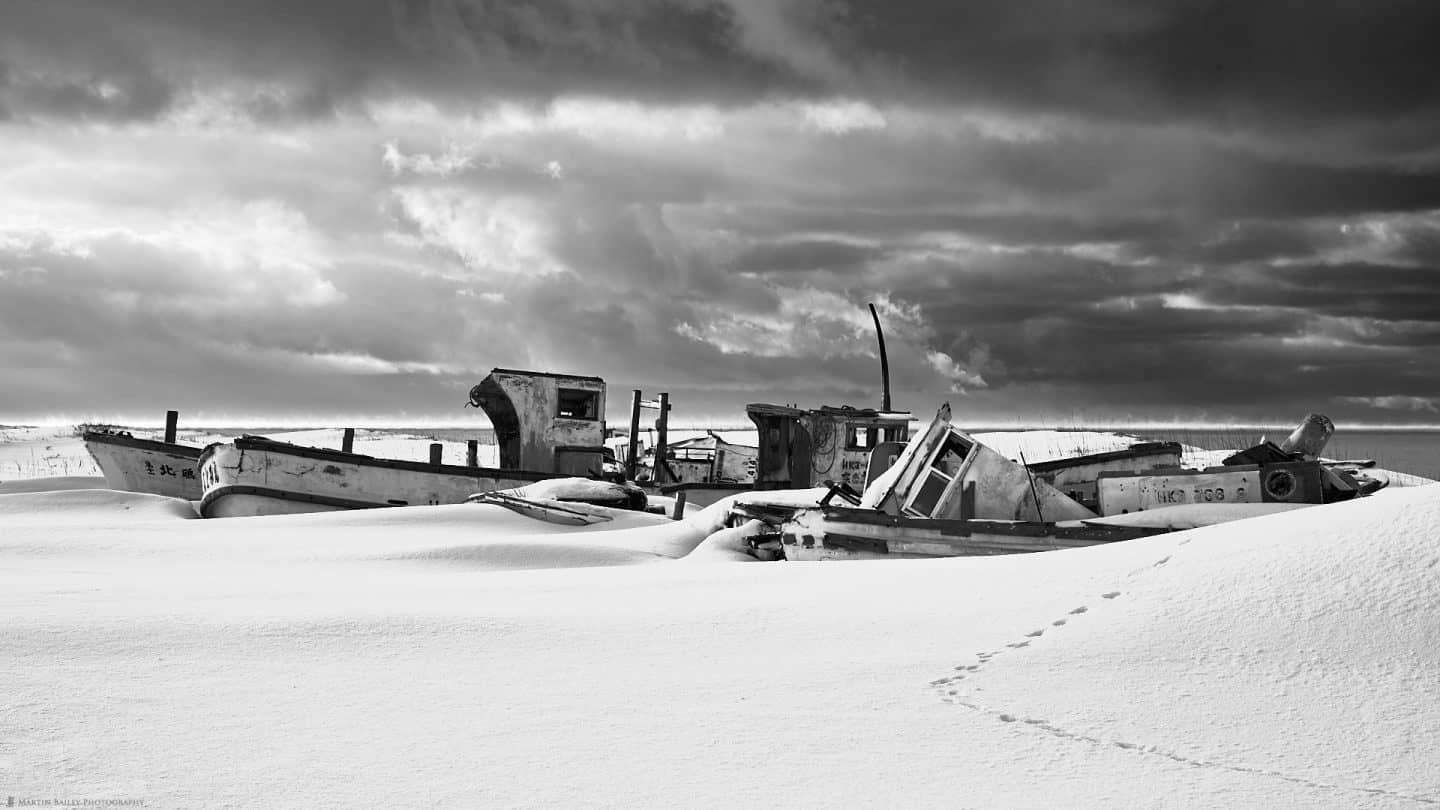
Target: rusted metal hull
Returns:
[256, 476]
[840, 533]
[142, 465]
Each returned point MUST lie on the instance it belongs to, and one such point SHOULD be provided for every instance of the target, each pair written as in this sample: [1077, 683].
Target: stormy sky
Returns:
[1065, 213]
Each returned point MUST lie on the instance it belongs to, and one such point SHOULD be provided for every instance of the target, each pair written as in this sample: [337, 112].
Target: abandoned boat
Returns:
[947, 495]
[1078, 476]
[708, 459]
[1291, 472]
[801, 448]
[546, 426]
[843, 533]
[145, 465]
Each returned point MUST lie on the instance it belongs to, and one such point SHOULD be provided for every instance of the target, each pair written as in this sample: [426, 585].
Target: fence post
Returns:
[662, 426]
[632, 457]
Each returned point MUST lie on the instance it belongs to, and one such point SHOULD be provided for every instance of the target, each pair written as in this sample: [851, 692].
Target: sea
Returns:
[1403, 450]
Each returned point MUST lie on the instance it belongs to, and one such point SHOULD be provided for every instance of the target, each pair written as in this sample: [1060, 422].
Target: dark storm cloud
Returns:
[137, 95]
[1223, 63]
[1219, 60]
[316, 57]
[1168, 204]
[1356, 290]
[1248, 337]
[806, 255]
[1254, 241]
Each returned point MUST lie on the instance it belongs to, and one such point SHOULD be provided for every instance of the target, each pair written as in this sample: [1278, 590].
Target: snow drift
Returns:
[464, 656]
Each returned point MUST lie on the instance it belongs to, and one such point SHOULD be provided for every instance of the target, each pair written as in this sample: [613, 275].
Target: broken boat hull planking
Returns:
[841, 533]
[143, 465]
[255, 476]
[1078, 476]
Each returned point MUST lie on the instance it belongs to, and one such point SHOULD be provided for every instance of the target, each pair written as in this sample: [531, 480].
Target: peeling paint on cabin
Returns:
[545, 422]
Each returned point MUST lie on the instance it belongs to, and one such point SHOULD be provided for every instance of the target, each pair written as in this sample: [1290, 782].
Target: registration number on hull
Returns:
[1133, 493]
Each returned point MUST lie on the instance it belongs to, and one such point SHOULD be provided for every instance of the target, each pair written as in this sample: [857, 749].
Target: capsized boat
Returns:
[546, 426]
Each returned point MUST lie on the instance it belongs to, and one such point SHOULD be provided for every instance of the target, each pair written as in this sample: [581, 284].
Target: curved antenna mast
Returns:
[884, 361]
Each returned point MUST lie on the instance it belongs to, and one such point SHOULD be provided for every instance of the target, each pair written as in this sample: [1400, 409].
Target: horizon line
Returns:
[393, 423]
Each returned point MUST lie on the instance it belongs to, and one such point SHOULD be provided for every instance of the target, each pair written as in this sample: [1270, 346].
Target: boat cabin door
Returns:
[580, 462]
[784, 454]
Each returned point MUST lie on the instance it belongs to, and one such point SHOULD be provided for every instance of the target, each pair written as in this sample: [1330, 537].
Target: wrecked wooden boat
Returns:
[145, 465]
[948, 495]
[1078, 476]
[1291, 472]
[708, 459]
[253, 475]
[945, 473]
[801, 448]
[846, 533]
[1124, 492]
[546, 426]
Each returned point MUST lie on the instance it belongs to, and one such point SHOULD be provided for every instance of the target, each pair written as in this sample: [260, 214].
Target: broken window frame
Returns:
[860, 437]
[933, 472]
[587, 399]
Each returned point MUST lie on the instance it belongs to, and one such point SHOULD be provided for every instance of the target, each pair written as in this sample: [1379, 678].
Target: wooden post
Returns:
[632, 456]
[662, 426]
[472, 453]
[347, 442]
[172, 418]
[435, 450]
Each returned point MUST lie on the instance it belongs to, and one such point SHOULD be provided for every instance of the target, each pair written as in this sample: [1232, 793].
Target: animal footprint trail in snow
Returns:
[984, 658]
[962, 671]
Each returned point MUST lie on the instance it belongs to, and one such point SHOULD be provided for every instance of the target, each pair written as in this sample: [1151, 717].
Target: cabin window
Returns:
[578, 404]
[860, 438]
[938, 477]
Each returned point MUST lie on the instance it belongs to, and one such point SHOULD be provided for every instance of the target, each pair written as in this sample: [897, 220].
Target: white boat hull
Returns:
[841, 533]
[141, 465]
[252, 476]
